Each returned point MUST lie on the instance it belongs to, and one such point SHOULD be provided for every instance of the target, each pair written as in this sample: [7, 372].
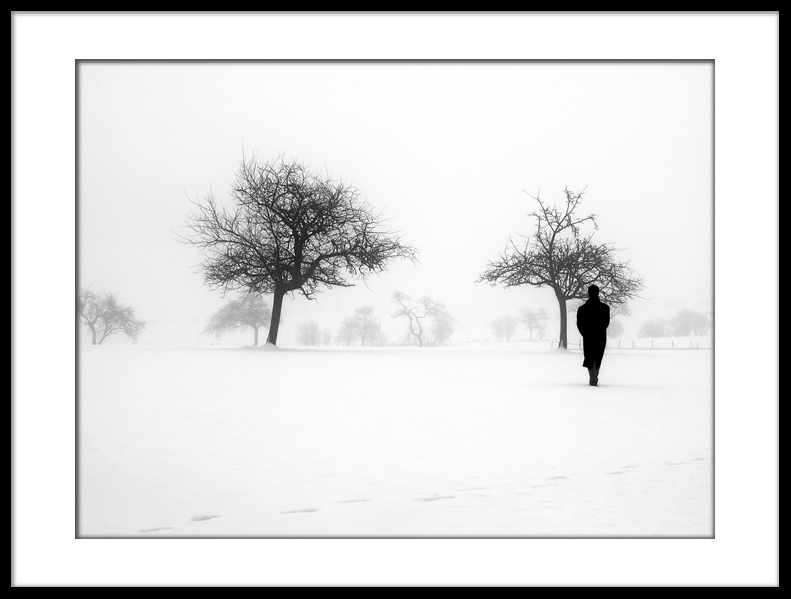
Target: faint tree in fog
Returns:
[416, 312]
[443, 326]
[560, 256]
[248, 311]
[657, 327]
[105, 316]
[688, 323]
[504, 327]
[615, 329]
[422, 312]
[289, 229]
[367, 326]
[308, 333]
[326, 336]
[348, 331]
[534, 320]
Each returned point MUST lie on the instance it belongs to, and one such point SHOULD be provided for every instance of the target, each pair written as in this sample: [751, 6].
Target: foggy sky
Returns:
[448, 151]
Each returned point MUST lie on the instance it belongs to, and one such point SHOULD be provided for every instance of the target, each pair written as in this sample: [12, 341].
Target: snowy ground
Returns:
[396, 442]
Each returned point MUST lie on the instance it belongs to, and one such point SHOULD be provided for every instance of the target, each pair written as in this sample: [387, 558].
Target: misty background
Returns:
[448, 151]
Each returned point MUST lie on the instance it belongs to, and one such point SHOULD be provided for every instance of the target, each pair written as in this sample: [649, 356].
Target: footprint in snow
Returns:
[437, 497]
[203, 518]
[674, 463]
[155, 529]
[303, 511]
[353, 500]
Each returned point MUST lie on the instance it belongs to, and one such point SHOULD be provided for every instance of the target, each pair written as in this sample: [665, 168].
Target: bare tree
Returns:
[504, 327]
[308, 333]
[105, 316]
[367, 326]
[533, 320]
[247, 311]
[348, 331]
[418, 311]
[560, 256]
[289, 229]
[442, 327]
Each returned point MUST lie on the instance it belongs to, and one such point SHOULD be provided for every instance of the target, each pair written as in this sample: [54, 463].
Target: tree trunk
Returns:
[255, 336]
[416, 334]
[419, 333]
[274, 325]
[563, 341]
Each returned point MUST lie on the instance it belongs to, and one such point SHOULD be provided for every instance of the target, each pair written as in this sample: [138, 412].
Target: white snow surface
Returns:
[457, 442]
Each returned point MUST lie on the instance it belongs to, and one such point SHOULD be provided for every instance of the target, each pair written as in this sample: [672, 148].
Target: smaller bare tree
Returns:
[443, 326]
[504, 327]
[308, 333]
[367, 326]
[417, 311]
[348, 331]
[247, 311]
[534, 320]
[105, 316]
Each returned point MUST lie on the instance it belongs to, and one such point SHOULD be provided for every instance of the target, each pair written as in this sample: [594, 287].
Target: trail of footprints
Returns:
[552, 481]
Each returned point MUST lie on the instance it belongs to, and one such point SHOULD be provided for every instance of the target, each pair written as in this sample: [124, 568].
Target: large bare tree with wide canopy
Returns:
[562, 255]
[289, 229]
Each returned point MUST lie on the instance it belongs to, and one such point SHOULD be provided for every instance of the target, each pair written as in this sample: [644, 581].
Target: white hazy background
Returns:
[448, 151]
[45, 46]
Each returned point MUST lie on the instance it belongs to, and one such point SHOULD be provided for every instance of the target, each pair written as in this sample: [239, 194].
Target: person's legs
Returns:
[594, 376]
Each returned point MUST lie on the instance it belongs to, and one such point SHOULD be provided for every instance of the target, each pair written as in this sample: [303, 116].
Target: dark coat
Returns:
[593, 318]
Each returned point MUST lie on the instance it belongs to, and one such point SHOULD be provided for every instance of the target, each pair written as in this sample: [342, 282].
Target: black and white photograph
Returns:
[348, 299]
[398, 298]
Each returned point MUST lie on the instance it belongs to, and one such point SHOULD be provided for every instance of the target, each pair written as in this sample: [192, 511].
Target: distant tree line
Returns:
[504, 327]
[287, 228]
[685, 323]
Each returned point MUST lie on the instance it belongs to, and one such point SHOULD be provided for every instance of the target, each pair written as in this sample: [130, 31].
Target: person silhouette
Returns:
[593, 318]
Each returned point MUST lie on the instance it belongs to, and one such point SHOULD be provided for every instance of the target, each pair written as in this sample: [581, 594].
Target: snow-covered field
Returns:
[478, 441]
